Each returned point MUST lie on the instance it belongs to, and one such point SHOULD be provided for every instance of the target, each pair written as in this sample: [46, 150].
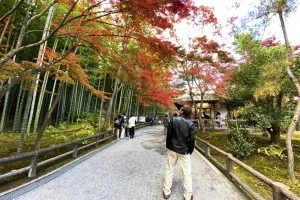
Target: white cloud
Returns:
[226, 9]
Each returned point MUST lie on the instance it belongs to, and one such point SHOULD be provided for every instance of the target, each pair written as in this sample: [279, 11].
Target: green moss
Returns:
[52, 136]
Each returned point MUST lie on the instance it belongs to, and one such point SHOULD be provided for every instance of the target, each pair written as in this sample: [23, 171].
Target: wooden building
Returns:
[211, 105]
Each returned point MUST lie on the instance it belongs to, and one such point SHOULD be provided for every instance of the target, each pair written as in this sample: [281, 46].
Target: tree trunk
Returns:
[40, 59]
[290, 132]
[2, 122]
[130, 103]
[58, 110]
[96, 99]
[72, 102]
[40, 103]
[4, 30]
[19, 108]
[115, 103]
[137, 111]
[64, 99]
[33, 104]
[46, 120]
[89, 99]
[80, 101]
[110, 106]
[25, 121]
[101, 105]
[121, 98]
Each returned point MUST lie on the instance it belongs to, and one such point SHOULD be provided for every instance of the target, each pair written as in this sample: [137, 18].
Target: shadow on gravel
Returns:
[156, 145]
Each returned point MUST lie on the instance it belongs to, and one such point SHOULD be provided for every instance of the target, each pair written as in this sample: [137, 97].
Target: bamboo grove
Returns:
[62, 60]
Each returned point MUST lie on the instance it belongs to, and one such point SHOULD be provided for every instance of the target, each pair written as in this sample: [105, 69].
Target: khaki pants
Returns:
[118, 133]
[185, 162]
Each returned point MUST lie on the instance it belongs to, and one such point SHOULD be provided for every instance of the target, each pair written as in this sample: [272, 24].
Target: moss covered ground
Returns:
[52, 136]
[271, 166]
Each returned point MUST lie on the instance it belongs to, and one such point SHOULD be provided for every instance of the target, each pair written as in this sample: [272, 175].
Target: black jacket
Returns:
[119, 121]
[181, 135]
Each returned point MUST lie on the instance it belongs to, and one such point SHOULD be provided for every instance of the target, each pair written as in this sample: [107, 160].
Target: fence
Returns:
[34, 164]
[279, 190]
[223, 124]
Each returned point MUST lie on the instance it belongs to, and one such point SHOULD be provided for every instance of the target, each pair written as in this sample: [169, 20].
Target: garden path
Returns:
[127, 169]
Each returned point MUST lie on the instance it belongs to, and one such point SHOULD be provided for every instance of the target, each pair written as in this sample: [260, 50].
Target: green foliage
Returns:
[272, 150]
[260, 91]
[66, 132]
[240, 143]
[274, 169]
[91, 118]
[233, 124]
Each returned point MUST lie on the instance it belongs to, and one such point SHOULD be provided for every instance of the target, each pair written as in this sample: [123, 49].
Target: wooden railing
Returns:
[213, 124]
[279, 190]
[74, 145]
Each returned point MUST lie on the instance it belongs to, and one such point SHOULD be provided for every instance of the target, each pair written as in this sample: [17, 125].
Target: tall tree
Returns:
[206, 67]
[259, 86]
[265, 11]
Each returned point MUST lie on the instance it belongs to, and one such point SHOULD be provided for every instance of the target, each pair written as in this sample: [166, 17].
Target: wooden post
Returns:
[229, 166]
[33, 166]
[111, 134]
[75, 150]
[207, 150]
[277, 195]
[97, 141]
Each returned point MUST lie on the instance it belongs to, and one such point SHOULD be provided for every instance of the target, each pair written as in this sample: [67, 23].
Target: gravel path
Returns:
[131, 170]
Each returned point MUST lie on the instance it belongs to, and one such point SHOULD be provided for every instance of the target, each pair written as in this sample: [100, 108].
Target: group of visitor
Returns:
[125, 128]
[180, 143]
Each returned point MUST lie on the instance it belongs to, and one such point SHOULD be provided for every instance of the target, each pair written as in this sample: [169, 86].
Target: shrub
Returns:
[240, 143]
[233, 124]
[272, 150]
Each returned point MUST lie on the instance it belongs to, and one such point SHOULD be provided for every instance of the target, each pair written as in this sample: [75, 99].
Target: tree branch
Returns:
[11, 11]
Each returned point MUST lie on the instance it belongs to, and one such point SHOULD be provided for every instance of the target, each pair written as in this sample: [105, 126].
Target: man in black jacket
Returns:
[180, 145]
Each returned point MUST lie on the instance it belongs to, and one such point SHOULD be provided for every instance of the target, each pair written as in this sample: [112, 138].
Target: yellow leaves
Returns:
[272, 79]
[12, 69]
[64, 77]
[270, 88]
[28, 65]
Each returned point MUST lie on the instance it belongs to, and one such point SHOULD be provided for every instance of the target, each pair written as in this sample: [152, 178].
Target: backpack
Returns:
[117, 122]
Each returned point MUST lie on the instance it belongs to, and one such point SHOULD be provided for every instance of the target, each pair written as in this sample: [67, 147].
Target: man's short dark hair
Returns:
[186, 110]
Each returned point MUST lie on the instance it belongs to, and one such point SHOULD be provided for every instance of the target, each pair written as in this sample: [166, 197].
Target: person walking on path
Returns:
[131, 125]
[166, 124]
[180, 145]
[123, 125]
[118, 125]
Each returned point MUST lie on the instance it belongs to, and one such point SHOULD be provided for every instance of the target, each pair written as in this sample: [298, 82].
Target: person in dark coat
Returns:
[118, 125]
[180, 145]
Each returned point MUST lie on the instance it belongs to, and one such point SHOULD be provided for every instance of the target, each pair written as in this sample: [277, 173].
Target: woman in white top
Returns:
[131, 125]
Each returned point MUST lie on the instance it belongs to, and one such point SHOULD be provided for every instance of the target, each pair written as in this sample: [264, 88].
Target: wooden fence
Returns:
[75, 148]
[279, 190]
[215, 124]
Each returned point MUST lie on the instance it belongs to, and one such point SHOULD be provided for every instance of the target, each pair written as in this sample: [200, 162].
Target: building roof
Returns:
[180, 101]
[206, 98]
